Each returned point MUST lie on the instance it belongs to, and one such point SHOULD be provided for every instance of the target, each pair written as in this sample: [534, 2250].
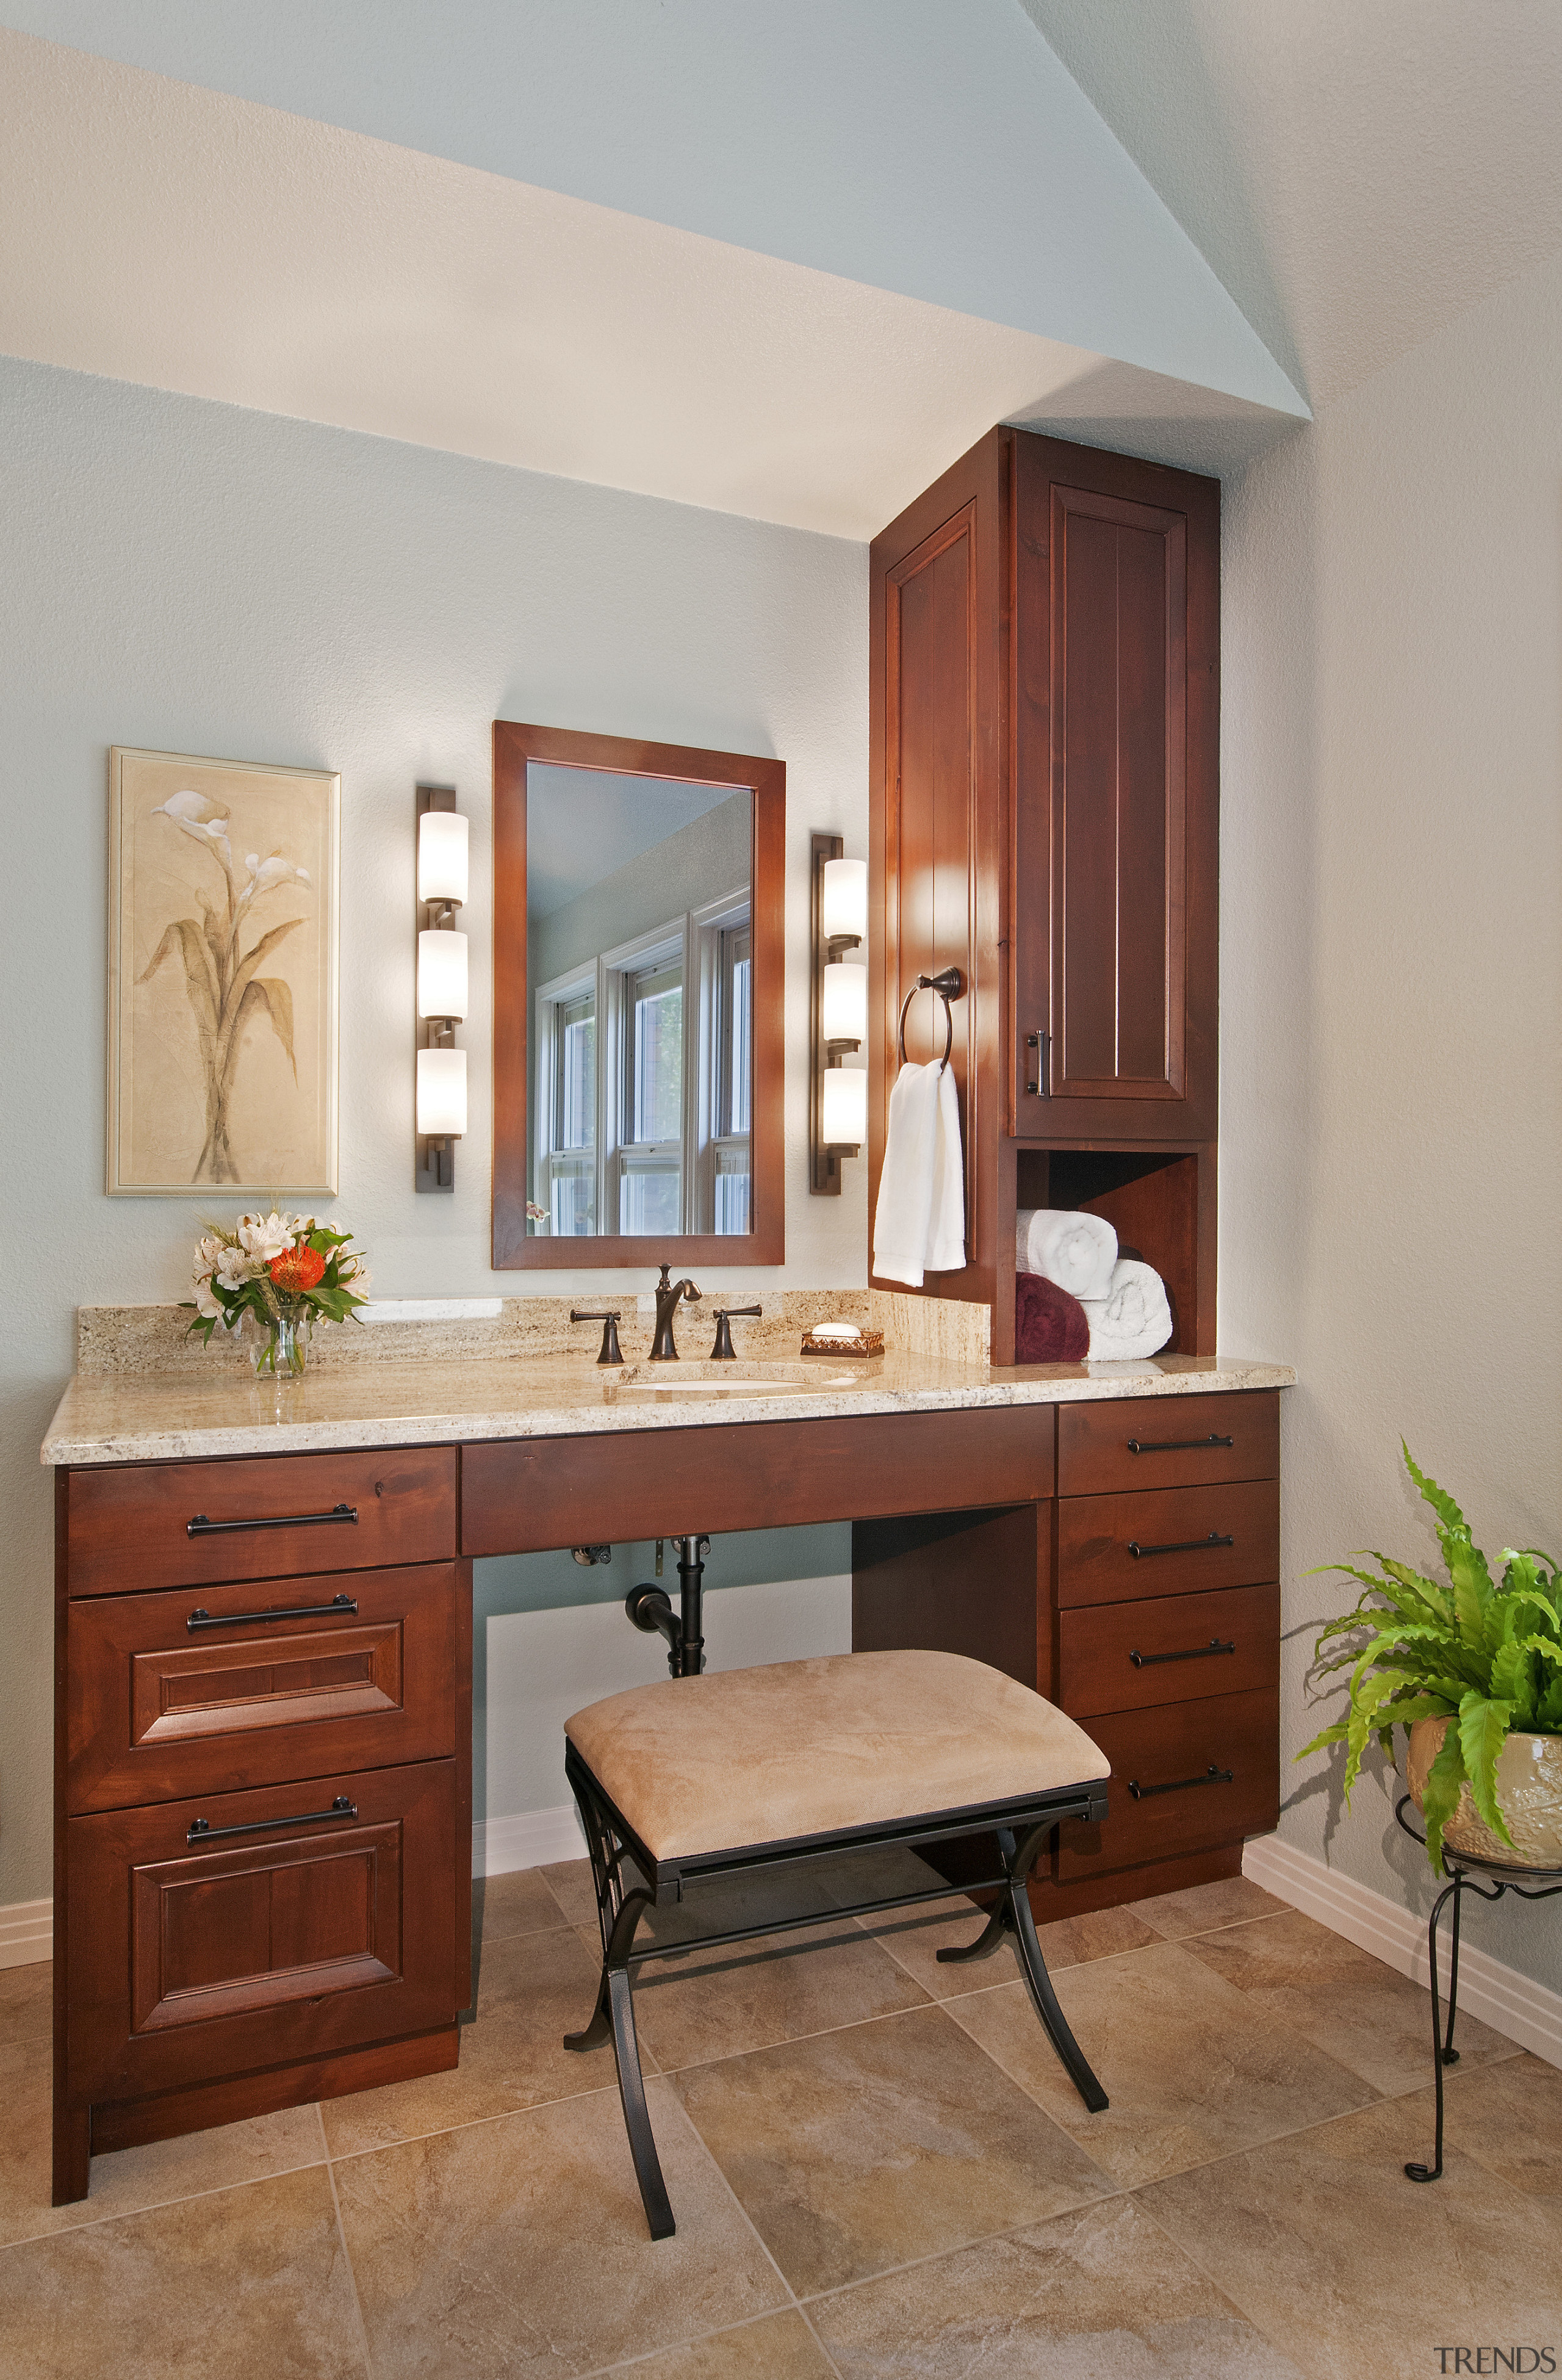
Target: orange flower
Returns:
[297, 1268]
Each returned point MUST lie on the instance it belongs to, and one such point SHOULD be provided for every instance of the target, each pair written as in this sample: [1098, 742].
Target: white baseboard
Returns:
[1527, 2013]
[26, 1932]
[533, 1839]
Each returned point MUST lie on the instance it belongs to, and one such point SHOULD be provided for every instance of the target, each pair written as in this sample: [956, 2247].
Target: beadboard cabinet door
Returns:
[1116, 797]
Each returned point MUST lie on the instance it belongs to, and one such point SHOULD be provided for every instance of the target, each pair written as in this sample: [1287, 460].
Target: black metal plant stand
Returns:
[1464, 1870]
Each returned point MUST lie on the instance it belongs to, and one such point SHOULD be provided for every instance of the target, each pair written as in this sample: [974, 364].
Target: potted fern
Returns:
[1473, 1671]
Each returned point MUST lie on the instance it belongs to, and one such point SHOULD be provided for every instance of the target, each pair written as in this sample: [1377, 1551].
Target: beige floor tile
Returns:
[1191, 2069]
[1343, 2000]
[719, 2003]
[769, 1897]
[570, 1883]
[27, 2000]
[521, 2246]
[533, 1990]
[1102, 2295]
[247, 2285]
[517, 1903]
[915, 1937]
[1230, 1900]
[1323, 2242]
[862, 2149]
[1508, 2118]
[127, 2180]
[876, 1875]
[781, 2347]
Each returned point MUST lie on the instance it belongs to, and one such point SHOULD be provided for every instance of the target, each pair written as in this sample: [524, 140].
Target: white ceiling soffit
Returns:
[933, 148]
[1358, 172]
[163, 234]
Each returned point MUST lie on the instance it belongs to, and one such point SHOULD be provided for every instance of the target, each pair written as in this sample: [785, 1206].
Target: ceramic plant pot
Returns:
[1529, 1795]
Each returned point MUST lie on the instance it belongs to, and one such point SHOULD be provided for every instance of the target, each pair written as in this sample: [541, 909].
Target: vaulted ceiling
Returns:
[786, 262]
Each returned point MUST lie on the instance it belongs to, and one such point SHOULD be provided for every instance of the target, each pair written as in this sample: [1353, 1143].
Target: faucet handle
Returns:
[724, 1351]
[611, 1352]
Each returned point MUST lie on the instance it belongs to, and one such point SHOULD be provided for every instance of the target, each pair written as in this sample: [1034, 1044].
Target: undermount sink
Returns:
[707, 1379]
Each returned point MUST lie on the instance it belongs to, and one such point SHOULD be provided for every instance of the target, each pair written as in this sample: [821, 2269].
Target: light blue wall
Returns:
[197, 578]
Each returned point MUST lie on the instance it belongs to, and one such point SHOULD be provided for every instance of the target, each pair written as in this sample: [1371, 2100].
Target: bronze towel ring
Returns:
[950, 985]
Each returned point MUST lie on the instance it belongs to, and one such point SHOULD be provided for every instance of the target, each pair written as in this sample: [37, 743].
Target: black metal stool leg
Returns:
[1433, 2172]
[998, 1926]
[1034, 1968]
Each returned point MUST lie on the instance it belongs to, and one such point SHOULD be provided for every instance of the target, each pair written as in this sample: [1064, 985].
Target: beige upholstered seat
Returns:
[742, 1756]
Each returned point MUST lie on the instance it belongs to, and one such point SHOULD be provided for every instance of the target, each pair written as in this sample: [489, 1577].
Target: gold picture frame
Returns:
[222, 993]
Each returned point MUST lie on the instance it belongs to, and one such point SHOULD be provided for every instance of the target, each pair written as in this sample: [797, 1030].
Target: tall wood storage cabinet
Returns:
[1045, 815]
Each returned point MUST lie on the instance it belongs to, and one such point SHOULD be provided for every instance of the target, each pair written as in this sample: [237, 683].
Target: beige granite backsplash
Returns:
[155, 1338]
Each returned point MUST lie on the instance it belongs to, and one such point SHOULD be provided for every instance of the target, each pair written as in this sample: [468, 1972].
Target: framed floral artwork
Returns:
[222, 978]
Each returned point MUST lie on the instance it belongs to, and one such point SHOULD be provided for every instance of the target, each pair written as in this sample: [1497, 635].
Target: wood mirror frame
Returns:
[516, 747]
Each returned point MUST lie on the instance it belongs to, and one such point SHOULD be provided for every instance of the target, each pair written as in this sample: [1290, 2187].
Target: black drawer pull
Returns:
[1192, 1653]
[201, 1618]
[201, 1832]
[201, 1528]
[1175, 1445]
[1212, 1776]
[1187, 1546]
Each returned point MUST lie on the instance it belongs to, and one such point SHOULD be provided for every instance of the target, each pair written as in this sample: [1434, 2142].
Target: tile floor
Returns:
[877, 2165]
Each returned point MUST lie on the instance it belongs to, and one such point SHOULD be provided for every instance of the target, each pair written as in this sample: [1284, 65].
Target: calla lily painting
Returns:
[222, 977]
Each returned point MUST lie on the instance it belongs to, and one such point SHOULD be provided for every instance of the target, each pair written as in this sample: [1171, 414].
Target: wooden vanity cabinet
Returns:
[1144, 1598]
[1044, 815]
[263, 1788]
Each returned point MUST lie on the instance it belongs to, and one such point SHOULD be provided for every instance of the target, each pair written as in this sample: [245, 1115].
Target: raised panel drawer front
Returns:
[1168, 1441]
[1185, 1778]
[207, 1939]
[153, 1525]
[216, 1689]
[1115, 1656]
[1172, 1541]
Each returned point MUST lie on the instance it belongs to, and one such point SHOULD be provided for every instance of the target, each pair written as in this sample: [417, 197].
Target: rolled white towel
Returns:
[1133, 1319]
[1077, 1251]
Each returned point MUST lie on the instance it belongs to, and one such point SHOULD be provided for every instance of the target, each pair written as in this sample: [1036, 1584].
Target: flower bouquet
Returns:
[286, 1272]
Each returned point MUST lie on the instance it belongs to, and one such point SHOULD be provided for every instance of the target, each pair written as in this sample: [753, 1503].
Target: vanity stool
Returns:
[751, 1769]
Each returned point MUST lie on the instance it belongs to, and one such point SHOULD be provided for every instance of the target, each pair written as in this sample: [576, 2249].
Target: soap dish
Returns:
[870, 1343]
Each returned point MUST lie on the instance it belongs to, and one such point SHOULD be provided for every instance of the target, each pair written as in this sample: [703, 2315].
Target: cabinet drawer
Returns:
[1172, 1541]
[1168, 1441]
[159, 1707]
[1180, 1806]
[184, 1524]
[1115, 1656]
[195, 1960]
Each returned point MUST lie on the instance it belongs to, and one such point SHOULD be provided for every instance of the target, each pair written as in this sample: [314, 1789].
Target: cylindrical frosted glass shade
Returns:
[441, 1093]
[845, 1107]
[442, 974]
[442, 855]
[845, 1003]
[844, 908]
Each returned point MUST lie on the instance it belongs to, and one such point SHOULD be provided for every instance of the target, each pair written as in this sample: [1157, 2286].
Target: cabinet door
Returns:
[1116, 797]
[224, 1933]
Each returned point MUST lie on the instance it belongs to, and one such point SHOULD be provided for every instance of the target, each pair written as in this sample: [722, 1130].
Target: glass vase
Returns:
[282, 1348]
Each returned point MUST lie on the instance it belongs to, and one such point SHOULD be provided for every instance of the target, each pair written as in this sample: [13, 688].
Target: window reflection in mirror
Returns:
[639, 978]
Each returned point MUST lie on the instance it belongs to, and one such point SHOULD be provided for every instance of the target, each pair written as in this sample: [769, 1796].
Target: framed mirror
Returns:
[638, 953]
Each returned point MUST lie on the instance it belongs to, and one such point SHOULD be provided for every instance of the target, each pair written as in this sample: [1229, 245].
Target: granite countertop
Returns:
[145, 1416]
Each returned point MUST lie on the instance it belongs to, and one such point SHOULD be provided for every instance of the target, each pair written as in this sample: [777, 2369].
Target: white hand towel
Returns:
[1077, 1251]
[1133, 1319]
[905, 1186]
[946, 1224]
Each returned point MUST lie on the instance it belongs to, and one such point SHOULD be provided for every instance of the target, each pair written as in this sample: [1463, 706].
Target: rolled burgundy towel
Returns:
[1050, 1326]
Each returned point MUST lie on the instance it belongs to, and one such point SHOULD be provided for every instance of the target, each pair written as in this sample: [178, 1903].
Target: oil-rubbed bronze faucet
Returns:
[667, 1295]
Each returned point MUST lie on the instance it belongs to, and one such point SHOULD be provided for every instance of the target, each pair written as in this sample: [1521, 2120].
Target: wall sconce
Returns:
[442, 872]
[836, 1014]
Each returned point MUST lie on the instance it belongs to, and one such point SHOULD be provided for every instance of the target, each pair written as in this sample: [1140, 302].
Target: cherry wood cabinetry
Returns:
[1168, 1658]
[263, 1788]
[1045, 817]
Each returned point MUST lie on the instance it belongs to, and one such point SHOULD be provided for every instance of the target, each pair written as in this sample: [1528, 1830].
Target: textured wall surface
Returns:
[1392, 1126]
[196, 578]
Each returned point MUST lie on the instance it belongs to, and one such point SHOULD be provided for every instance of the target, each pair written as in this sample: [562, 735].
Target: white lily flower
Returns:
[206, 1306]
[199, 815]
[265, 875]
[234, 1268]
[264, 1236]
